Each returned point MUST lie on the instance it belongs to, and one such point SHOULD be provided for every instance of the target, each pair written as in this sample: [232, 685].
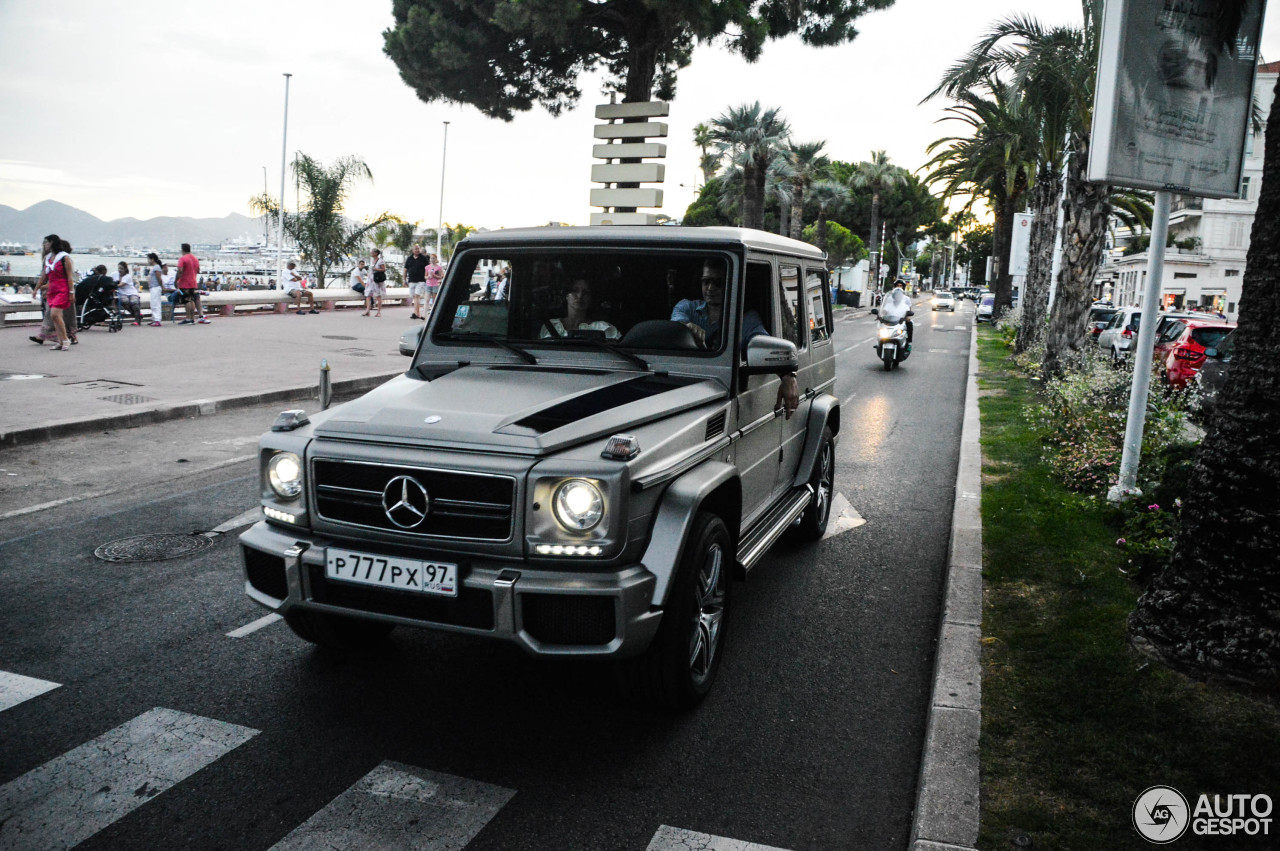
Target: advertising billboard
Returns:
[1020, 248]
[1172, 104]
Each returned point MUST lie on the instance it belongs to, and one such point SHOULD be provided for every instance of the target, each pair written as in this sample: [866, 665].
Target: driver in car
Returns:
[704, 316]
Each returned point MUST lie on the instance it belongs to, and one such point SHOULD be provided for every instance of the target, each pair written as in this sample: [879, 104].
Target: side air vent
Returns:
[715, 426]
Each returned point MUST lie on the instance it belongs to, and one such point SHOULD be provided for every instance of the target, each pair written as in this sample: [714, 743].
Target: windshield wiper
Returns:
[489, 338]
[605, 345]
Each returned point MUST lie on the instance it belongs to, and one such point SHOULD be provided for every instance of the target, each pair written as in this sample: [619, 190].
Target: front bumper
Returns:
[547, 611]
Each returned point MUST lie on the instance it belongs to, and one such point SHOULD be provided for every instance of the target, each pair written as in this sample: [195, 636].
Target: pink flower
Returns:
[1153, 507]
[1120, 542]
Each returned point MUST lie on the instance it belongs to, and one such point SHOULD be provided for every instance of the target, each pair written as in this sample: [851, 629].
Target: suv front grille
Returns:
[473, 506]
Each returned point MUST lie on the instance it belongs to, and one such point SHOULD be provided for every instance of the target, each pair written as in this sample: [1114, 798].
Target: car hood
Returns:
[526, 410]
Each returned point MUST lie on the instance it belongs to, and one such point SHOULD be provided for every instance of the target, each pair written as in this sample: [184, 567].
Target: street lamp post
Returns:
[284, 155]
[440, 218]
[266, 226]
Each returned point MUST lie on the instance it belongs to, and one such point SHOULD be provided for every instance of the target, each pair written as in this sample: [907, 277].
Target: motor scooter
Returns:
[891, 339]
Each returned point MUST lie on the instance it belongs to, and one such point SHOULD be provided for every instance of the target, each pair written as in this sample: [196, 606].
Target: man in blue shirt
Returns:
[705, 316]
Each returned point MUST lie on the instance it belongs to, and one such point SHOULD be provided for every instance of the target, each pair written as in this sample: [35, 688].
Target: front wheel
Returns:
[679, 667]
[888, 358]
[812, 524]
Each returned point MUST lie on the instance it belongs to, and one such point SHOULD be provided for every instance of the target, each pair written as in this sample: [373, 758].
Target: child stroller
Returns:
[96, 302]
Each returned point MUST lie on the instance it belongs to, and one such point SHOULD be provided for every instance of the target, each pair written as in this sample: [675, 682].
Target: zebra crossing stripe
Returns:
[15, 688]
[68, 799]
[398, 806]
[676, 839]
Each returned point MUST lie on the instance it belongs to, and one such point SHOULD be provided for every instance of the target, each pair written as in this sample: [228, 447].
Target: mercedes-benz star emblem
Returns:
[406, 502]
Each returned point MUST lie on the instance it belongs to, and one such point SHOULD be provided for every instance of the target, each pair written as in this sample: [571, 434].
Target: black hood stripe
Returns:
[599, 401]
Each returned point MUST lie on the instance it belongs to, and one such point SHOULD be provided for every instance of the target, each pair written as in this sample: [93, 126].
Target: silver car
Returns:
[1116, 339]
[578, 469]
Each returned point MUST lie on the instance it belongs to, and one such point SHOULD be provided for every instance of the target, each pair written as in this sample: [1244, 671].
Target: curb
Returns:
[182, 410]
[947, 793]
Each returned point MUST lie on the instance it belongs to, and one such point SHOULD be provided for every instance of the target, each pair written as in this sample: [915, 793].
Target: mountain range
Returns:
[84, 230]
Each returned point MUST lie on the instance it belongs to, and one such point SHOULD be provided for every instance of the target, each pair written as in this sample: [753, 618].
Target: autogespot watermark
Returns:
[1162, 814]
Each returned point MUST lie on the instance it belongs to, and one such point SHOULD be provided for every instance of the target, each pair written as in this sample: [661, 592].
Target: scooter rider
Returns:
[895, 307]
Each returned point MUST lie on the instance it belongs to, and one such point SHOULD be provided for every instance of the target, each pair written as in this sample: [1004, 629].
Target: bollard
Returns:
[326, 385]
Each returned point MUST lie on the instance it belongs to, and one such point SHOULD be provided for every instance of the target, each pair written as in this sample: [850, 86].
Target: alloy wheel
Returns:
[709, 593]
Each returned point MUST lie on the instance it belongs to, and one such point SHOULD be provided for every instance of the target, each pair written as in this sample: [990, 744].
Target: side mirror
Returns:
[770, 356]
[875, 312]
[911, 313]
[1211, 353]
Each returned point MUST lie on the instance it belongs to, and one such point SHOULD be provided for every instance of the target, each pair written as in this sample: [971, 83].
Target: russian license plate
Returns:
[402, 574]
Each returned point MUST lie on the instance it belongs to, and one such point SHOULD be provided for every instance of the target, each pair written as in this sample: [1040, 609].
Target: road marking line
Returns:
[15, 689]
[846, 517]
[68, 799]
[400, 806]
[18, 512]
[266, 620]
[677, 839]
[253, 515]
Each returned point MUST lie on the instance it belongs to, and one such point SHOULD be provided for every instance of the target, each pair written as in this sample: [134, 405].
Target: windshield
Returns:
[591, 299]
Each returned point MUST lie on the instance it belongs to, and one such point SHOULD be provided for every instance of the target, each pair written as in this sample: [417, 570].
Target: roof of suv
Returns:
[640, 234]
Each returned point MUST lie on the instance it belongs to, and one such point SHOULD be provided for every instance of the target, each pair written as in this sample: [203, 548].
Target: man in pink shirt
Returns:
[188, 269]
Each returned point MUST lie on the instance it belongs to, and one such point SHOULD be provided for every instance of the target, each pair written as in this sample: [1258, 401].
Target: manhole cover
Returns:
[336, 337]
[153, 547]
[358, 353]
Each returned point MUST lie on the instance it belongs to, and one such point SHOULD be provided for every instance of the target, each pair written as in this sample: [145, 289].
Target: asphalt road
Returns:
[164, 732]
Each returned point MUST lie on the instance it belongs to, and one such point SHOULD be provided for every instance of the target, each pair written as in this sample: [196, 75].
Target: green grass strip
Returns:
[1075, 724]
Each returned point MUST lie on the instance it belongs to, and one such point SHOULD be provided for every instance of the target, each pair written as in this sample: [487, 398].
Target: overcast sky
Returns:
[153, 108]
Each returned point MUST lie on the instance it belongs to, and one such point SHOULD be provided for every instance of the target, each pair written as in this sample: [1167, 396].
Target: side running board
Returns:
[769, 528]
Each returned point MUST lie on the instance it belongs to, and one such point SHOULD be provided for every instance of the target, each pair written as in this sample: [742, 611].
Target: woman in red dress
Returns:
[57, 277]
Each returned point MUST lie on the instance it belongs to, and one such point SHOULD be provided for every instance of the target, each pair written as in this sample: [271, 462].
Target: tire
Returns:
[679, 667]
[336, 632]
[888, 358]
[896, 362]
[813, 522]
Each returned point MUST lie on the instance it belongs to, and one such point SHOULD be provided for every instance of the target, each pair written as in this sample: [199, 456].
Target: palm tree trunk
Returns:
[1215, 608]
[1035, 295]
[797, 213]
[754, 177]
[1001, 228]
[820, 232]
[873, 266]
[784, 217]
[1002, 286]
[1088, 207]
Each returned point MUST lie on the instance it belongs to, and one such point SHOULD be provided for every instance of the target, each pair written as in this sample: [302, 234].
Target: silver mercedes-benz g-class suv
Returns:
[578, 460]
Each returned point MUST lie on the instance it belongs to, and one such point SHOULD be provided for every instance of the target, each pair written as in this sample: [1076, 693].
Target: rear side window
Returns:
[1210, 338]
[815, 284]
[791, 303]
[1135, 321]
[1173, 331]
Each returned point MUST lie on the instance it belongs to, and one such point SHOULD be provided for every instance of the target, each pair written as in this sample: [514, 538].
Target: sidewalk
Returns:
[144, 375]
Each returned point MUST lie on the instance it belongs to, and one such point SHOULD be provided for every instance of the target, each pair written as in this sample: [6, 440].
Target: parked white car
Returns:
[1121, 332]
[986, 307]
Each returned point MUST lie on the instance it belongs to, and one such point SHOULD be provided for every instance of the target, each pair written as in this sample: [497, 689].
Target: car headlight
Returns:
[284, 474]
[579, 505]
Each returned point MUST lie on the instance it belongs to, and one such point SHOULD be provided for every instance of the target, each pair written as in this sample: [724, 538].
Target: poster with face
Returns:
[1172, 102]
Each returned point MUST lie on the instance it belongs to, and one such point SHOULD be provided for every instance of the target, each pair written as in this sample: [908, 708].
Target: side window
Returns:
[815, 284]
[791, 304]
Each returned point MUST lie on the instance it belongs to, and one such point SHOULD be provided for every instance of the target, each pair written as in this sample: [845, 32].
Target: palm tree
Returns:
[708, 162]
[808, 164]
[876, 174]
[1062, 62]
[830, 196]
[1214, 610]
[322, 233]
[757, 134]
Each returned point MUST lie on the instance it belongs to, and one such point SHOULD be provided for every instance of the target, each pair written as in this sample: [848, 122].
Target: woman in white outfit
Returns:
[155, 288]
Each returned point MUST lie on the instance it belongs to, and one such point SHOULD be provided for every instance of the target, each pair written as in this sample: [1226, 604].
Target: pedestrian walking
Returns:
[435, 276]
[127, 292]
[189, 287]
[377, 286]
[415, 274]
[55, 280]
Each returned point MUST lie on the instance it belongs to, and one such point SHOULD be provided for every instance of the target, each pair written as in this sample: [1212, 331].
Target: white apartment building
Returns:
[1205, 266]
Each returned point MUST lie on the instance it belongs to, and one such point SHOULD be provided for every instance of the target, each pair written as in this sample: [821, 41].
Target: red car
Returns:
[1180, 348]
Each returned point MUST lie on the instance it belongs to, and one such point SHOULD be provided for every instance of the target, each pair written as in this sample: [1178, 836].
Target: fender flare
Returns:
[679, 505]
[824, 412]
